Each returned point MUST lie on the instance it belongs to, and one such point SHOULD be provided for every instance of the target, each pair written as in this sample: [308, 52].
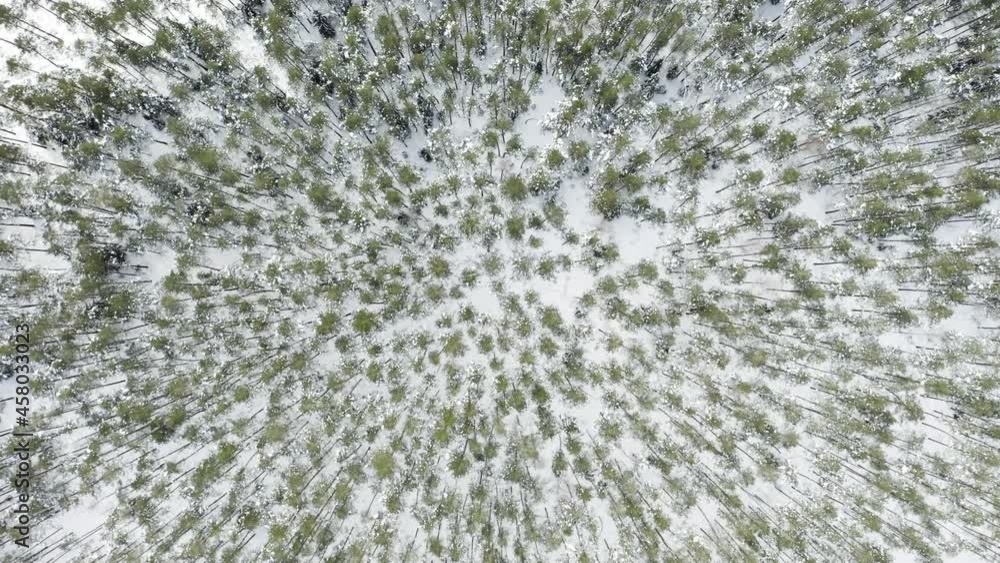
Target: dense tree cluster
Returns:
[470, 280]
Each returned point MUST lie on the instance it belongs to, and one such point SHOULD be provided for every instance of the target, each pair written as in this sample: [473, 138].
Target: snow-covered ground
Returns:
[560, 281]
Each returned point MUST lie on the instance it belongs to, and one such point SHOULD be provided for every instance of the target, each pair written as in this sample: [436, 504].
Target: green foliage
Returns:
[495, 269]
[364, 322]
[384, 464]
[607, 203]
[514, 188]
